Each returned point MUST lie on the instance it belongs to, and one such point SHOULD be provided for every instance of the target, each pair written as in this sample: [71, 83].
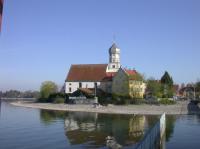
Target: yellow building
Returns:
[128, 83]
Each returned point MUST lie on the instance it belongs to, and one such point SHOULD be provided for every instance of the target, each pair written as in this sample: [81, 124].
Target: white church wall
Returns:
[75, 85]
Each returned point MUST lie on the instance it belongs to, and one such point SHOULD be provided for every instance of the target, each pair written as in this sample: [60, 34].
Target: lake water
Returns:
[26, 128]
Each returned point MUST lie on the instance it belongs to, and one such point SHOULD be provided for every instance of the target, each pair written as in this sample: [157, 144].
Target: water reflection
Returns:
[93, 128]
[55, 129]
[49, 116]
[0, 107]
[170, 122]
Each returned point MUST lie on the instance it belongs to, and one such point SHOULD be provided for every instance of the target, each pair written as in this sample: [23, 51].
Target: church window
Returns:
[113, 66]
[95, 85]
[70, 89]
[80, 85]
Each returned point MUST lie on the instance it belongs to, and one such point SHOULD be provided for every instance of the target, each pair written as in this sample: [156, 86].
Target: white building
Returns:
[91, 75]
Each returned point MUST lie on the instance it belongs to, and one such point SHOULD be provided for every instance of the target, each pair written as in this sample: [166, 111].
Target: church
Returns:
[109, 78]
[90, 76]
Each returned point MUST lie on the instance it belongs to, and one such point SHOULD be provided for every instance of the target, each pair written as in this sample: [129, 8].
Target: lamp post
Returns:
[95, 93]
[95, 90]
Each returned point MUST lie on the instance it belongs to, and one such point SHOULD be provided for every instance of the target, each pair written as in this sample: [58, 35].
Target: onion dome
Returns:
[114, 49]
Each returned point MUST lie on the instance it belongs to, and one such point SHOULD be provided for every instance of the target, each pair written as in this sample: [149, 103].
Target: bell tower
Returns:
[114, 58]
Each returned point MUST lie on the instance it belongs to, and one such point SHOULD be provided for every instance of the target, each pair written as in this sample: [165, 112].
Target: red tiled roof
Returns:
[130, 72]
[109, 76]
[87, 72]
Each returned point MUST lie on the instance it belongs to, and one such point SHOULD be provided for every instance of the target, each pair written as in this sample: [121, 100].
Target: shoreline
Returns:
[144, 109]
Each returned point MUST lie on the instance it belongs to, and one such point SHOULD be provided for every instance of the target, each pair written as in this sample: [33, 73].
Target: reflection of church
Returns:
[96, 127]
[136, 125]
[92, 128]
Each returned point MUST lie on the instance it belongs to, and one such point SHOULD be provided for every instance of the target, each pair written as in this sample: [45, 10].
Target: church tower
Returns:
[114, 58]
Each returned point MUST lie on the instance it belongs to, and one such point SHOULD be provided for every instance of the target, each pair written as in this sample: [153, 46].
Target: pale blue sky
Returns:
[40, 39]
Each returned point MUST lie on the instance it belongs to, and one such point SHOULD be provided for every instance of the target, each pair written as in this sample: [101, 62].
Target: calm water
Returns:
[26, 128]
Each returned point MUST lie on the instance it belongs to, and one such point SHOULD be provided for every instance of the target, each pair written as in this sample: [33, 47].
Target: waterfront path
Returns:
[180, 108]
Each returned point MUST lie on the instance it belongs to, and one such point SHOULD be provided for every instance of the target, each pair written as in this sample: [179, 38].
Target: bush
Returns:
[104, 100]
[120, 99]
[59, 100]
[124, 100]
[166, 101]
[152, 102]
[53, 97]
[42, 100]
[137, 101]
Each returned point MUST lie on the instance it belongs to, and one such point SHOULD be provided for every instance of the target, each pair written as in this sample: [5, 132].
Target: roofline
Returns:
[83, 81]
[89, 64]
[82, 65]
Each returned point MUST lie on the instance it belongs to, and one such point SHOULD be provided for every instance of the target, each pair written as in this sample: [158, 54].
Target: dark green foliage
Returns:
[120, 99]
[137, 101]
[197, 86]
[42, 100]
[55, 98]
[154, 87]
[197, 89]
[114, 99]
[59, 100]
[166, 101]
[167, 85]
[103, 100]
[167, 79]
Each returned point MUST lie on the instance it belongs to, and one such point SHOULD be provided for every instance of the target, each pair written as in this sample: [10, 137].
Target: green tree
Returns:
[154, 87]
[167, 79]
[167, 85]
[197, 89]
[47, 88]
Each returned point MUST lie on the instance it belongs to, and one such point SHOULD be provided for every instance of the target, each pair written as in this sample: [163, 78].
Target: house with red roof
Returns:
[127, 82]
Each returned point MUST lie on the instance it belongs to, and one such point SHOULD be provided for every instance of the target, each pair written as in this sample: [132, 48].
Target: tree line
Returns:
[19, 94]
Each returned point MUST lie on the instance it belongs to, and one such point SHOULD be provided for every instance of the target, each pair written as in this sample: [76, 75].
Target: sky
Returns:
[1, 10]
[40, 39]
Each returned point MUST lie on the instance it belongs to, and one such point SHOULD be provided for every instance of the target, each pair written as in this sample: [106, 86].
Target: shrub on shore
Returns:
[120, 99]
[167, 101]
[55, 98]
[137, 101]
[59, 100]
[42, 100]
